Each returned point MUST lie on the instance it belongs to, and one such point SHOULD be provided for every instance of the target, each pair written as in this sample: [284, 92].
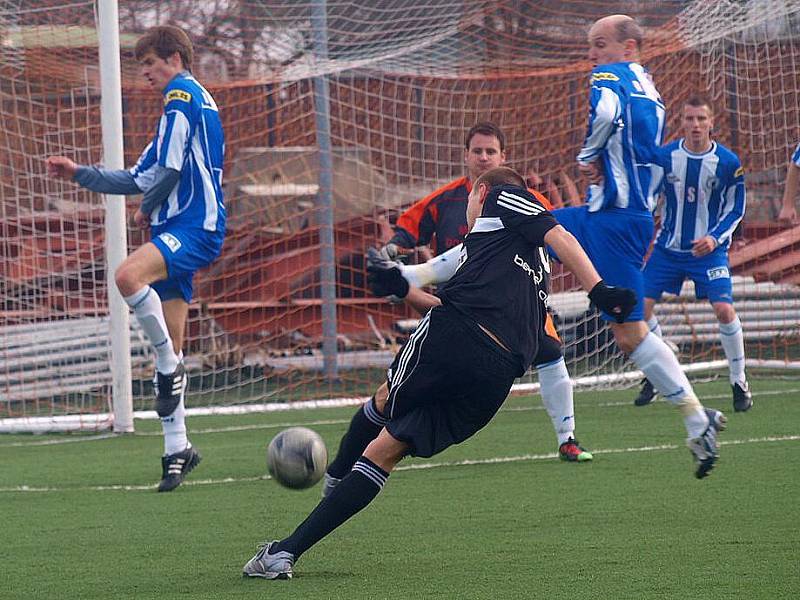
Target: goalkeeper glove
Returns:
[618, 302]
[391, 251]
[384, 277]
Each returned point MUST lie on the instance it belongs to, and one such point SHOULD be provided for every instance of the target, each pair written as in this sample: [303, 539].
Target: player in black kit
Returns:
[455, 371]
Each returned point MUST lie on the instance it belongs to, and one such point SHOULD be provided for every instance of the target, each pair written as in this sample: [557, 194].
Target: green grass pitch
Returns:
[497, 517]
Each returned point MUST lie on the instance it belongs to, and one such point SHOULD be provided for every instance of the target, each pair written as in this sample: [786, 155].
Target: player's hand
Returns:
[788, 215]
[592, 172]
[141, 220]
[393, 252]
[384, 277]
[705, 245]
[616, 301]
[61, 167]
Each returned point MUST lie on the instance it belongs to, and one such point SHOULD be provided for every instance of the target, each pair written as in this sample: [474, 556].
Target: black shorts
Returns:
[550, 350]
[446, 383]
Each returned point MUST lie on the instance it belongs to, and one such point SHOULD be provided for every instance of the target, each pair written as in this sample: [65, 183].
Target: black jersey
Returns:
[501, 281]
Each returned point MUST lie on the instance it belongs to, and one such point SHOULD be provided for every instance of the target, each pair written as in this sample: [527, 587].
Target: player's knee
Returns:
[626, 344]
[724, 312]
[629, 337]
[381, 396]
[386, 450]
[126, 280]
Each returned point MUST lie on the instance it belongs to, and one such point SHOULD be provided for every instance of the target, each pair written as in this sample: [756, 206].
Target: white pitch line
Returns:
[660, 400]
[59, 441]
[411, 467]
[320, 422]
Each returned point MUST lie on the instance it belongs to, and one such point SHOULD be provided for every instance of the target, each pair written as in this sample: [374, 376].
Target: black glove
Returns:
[384, 277]
[618, 302]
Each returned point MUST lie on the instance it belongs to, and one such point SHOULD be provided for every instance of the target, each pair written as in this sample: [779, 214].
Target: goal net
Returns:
[378, 95]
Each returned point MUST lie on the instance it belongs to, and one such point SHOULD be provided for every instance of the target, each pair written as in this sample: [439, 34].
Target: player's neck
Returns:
[699, 148]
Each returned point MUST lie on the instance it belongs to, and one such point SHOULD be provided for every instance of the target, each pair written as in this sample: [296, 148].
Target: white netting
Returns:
[406, 79]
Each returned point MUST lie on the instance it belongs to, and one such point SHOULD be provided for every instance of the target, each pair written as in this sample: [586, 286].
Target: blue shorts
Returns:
[185, 251]
[616, 242]
[666, 272]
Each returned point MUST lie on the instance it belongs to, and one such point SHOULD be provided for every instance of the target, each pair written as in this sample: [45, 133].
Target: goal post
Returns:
[115, 226]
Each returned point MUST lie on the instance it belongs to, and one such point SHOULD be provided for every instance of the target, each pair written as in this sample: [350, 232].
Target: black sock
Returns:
[365, 426]
[354, 492]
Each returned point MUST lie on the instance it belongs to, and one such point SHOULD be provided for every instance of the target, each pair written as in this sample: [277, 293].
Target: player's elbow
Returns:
[559, 238]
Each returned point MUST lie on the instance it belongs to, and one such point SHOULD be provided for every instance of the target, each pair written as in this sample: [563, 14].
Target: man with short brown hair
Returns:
[704, 202]
[180, 175]
[481, 332]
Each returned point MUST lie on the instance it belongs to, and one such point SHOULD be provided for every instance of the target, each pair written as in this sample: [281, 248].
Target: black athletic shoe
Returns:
[176, 466]
[169, 390]
[742, 397]
[705, 448]
[647, 394]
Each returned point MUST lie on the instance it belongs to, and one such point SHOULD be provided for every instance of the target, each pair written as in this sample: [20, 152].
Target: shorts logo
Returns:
[604, 77]
[718, 273]
[173, 243]
[178, 95]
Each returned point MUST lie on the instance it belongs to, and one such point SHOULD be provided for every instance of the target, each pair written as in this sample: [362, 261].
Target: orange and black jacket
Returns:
[443, 214]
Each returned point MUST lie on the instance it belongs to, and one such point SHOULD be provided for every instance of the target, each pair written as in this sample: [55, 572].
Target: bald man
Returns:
[615, 226]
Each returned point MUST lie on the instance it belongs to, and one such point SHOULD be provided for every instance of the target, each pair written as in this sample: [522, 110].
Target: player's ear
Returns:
[175, 59]
[630, 47]
[483, 190]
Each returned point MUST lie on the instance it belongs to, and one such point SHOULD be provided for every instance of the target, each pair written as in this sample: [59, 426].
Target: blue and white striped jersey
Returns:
[704, 195]
[626, 127]
[796, 156]
[189, 139]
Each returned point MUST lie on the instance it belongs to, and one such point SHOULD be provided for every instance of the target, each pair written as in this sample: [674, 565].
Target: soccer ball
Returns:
[297, 458]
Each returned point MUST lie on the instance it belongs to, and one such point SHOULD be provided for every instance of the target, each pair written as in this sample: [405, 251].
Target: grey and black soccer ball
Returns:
[297, 458]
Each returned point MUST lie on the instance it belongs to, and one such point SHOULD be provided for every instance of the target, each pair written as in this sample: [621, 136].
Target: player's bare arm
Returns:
[615, 301]
[788, 212]
[592, 172]
[140, 219]
[420, 300]
[572, 256]
[571, 194]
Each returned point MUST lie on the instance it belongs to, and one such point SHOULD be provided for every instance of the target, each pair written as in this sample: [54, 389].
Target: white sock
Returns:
[664, 371]
[437, 270]
[146, 306]
[556, 389]
[653, 326]
[174, 428]
[733, 345]
[696, 422]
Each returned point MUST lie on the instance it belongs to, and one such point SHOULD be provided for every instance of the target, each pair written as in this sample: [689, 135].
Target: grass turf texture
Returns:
[634, 523]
